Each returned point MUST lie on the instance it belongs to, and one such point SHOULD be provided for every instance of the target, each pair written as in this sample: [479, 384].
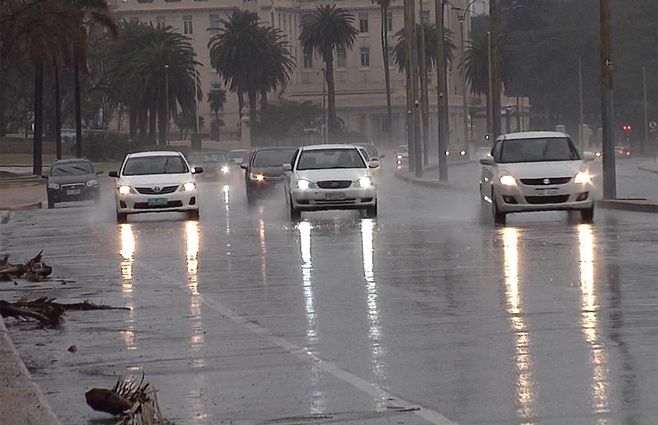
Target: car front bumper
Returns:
[522, 198]
[137, 203]
[79, 193]
[328, 199]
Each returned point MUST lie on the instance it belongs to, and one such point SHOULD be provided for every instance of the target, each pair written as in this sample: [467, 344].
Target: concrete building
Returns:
[359, 73]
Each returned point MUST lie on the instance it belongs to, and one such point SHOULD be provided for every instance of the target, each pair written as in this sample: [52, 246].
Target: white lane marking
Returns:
[304, 354]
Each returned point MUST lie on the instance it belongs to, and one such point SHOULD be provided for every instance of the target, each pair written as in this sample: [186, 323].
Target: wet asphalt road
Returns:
[245, 318]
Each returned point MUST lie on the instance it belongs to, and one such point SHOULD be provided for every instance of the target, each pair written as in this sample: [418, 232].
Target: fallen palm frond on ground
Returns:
[46, 311]
[136, 403]
[34, 269]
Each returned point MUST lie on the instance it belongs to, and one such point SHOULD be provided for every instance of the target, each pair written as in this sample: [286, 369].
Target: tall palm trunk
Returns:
[162, 123]
[37, 135]
[78, 107]
[152, 125]
[387, 73]
[132, 123]
[240, 100]
[58, 115]
[331, 98]
[3, 101]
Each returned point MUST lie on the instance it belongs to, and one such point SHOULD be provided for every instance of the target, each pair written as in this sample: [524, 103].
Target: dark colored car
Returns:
[263, 170]
[622, 151]
[72, 180]
[215, 164]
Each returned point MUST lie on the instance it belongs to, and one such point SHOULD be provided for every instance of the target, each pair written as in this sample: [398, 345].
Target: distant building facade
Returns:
[359, 73]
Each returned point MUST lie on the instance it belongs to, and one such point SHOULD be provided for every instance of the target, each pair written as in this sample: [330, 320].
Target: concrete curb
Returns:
[21, 400]
[651, 170]
[638, 205]
[28, 206]
[410, 178]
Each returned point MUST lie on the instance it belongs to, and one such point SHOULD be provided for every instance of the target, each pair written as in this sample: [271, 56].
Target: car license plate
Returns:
[157, 202]
[549, 191]
[335, 196]
[73, 192]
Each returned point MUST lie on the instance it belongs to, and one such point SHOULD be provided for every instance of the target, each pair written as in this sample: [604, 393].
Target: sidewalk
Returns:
[648, 165]
[22, 194]
[21, 400]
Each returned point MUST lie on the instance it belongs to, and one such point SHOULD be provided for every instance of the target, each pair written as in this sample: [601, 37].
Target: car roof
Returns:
[71, 161]
[532, 135]
[320, 147]
[153, 153]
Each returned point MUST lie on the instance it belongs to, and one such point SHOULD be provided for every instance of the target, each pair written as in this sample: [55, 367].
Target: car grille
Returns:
[335, 202]
[146, 206]
[150, 191]
[542, 182]
[72, 186]
[334, 184]
[555, 199]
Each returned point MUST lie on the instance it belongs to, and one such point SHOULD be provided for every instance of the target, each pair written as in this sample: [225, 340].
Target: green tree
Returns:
[323, 30]
[400, 49]
[251, 58]
[216, 100]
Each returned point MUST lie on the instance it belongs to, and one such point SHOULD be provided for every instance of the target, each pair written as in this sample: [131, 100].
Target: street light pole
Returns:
[490, 128]
[166, 123]
[581, 132]
[494, 68]
[442, 90]
[196, 99]
[324, 109]
[645, 124]
[607, 103]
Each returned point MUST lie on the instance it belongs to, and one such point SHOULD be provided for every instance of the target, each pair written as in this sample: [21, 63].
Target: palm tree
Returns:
[400, 49]
[251, 58]
[323, 30]
[384, 5]
[216, 100]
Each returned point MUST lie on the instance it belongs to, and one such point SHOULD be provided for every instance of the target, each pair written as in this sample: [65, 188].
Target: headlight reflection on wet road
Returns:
[376, 347]
[590, 321]
[525, 394]
[127, 252]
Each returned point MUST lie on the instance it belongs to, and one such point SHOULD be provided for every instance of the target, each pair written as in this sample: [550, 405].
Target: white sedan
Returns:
[536, 171]
[324, 177]
[156, 182]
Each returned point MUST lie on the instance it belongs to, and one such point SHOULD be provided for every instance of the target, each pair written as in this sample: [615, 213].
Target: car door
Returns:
[489, 172]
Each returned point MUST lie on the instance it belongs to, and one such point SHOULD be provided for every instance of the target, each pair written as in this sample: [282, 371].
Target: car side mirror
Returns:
[198, 170]
[373, 164]
[43, 176]
[113, 174]
[589, 156]
[487, 161]
[244, 166]
[382, 156]
[287, 167]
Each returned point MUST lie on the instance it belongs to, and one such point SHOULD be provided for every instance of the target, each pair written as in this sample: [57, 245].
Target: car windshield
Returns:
[71, 169]
[237, 154]
[319, 159]
[273, 157]
[538, 150]
[139, 166]
[365, 153]
[403, 148]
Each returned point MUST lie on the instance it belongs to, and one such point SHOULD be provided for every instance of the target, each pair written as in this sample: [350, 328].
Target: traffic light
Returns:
[628, 128]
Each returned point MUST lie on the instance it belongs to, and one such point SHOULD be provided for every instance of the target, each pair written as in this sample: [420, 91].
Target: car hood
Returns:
[268, 171]
[536, 170]
[80, 178]
[333, 174]
[155, 179]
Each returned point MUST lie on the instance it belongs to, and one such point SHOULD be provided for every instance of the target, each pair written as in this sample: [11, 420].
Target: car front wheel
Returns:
[371, 212]
[498, 216]
[193, 215]
[587, 215]
[122, 218]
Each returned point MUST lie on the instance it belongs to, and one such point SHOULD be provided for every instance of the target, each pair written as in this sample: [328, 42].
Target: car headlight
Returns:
[582, 177]
[304, 184]
[224, 169]
[258, 177]
[92, 182]
[189, 186]
[399, 156]
[462, 153]
[53, 186]
[364, 182]
[124, 190]
[507, 180]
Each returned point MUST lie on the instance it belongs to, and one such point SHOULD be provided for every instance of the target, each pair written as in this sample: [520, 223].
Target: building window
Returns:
[161, 21]
[363, 22]
[213, 22]
[365, 57]
[308, 61]
[425, 17]
[187, 25]
[341, 57]
[389, 21]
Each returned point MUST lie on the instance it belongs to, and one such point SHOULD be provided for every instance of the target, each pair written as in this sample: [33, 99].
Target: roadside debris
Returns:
[46, 311]
[137, 404]
[34, 269]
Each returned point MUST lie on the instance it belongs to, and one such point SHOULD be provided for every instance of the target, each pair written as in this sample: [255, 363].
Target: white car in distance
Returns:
[157, 181]
[536, 171]
[327, 177]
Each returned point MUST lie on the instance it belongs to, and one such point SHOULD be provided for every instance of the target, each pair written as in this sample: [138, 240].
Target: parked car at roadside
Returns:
[72, 180]
[402, 154]
[237, 156]
[157, 181]
[215, 164]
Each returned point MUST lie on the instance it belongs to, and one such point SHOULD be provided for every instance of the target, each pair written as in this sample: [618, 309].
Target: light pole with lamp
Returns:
[461, 17]
[324, 109]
